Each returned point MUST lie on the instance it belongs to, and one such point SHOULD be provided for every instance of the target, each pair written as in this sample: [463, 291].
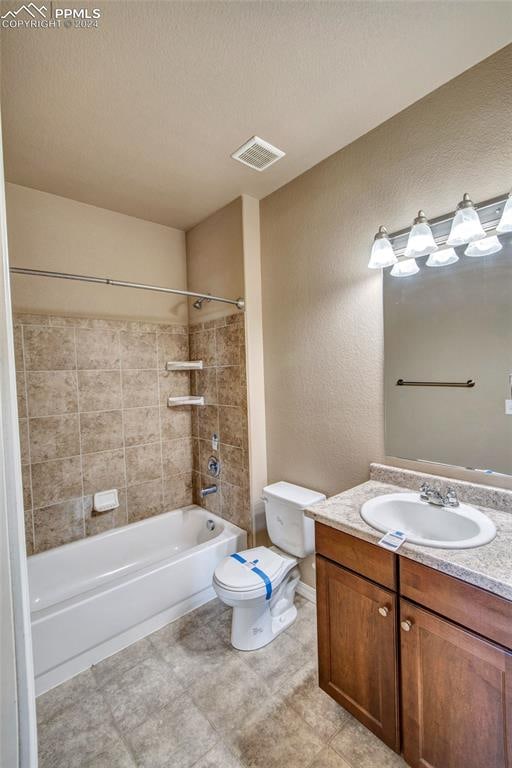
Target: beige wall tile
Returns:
[24, 445]
[105, 521]
[99, 390]
[177, 491]
[102, 471]
[18, 348]
[143, 463]
[54, 437]
[51, 393]
[229, 385]
[175, 422]
[235, 504]
[228, 342]
[171, 347]
[144, 500]
[141, 425]
[55, 481]
[97, 349]
[231, 425]
[21, 394]
[233, 469]
[29, 532]
[49, 349]
[204, 383]
[205, 451]
[26, 477]
[101, 431]
[208, 421]
[140, 388]
[177, 456]
[202, 347]
[173, 384]
[58, 524]
[138, 350]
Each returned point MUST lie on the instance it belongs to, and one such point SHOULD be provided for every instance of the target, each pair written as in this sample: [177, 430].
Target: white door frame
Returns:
[18, 735]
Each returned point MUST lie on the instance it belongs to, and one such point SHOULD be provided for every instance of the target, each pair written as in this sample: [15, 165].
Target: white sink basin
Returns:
[423, 523]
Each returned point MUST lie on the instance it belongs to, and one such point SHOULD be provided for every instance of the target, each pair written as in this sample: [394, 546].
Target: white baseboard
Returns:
[306, 591]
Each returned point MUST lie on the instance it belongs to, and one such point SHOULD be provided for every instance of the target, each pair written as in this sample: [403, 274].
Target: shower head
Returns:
[198, 303]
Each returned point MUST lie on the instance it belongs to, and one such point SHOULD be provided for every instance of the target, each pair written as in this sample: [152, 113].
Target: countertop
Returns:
[488, 567]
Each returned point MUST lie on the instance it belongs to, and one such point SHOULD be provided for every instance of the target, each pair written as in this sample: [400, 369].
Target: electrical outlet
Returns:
[508, 407]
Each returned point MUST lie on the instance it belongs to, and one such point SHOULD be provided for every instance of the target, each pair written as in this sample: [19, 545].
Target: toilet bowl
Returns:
[260, 583]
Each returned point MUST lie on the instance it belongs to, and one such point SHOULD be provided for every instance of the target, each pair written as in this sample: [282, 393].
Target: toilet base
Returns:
[256, 623]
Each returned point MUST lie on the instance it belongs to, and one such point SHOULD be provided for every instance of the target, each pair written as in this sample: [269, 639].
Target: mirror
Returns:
[451, 324]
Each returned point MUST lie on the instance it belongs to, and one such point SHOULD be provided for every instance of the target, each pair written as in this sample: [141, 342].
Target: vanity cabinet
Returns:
[422, 659]
[456, 695]
[357, 641]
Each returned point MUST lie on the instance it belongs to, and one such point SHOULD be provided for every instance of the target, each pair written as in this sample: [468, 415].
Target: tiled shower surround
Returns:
[220, 344]
[92, 399]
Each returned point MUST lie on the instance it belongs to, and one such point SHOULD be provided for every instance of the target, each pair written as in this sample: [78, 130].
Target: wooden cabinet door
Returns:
[456, 695]
[357, 648]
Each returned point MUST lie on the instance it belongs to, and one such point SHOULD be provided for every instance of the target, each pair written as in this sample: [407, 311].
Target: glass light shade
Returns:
[442, 258]
[405, 268]
[421, 241]
[466, 227]
[484, 247]
[505, 224]
[382, 254]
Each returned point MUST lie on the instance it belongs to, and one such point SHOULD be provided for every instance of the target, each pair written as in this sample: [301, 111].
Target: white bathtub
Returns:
[95, 596]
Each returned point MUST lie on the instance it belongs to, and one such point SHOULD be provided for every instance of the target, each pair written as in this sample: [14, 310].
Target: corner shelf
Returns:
[184, 365]
[186, 400]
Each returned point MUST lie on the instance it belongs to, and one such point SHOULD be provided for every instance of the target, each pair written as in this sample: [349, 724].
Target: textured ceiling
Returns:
[141, 115]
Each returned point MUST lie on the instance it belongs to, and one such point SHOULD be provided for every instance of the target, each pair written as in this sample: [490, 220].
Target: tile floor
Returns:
[184, 697]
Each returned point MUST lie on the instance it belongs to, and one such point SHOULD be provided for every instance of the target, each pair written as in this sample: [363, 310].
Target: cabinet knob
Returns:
[383, 610]
[406, 625]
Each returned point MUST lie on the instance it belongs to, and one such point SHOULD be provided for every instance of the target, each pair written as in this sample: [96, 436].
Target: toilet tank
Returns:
[288, 527]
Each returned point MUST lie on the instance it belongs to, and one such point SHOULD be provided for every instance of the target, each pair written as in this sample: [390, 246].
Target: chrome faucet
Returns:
[435, 497]
[207, 491]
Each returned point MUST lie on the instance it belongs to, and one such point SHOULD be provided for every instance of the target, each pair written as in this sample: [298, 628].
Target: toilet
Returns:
[260, 583]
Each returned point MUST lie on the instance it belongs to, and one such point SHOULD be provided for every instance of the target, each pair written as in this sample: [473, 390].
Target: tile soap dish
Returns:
[186, 400]
[184, 365]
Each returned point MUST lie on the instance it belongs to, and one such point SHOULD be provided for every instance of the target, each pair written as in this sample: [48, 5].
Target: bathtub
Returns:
[93, 597]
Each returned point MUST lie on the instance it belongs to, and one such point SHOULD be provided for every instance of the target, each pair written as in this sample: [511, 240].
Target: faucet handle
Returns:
[451, 499]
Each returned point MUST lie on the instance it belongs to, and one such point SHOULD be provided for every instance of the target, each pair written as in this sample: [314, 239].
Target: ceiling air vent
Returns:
[257, 154]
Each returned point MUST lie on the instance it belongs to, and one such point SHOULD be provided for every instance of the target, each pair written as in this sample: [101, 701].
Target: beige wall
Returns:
[322, 307]
[215, 260]
[54, 233]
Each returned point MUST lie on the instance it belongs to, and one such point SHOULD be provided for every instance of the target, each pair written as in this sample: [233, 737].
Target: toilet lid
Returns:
[237, 576]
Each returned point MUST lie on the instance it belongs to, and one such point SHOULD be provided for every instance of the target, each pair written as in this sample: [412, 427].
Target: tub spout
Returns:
[207, 491]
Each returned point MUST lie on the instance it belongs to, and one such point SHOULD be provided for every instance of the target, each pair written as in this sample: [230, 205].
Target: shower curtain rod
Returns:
[239, 303]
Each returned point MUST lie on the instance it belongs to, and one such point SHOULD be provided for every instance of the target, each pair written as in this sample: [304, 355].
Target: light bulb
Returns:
[421, 241]
[442, 258]
[405, 268]
[505, 224]
[466, 225]
[382, 254]
[483, 247]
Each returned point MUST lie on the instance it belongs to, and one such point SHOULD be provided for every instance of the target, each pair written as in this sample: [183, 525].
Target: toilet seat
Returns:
[235, 573]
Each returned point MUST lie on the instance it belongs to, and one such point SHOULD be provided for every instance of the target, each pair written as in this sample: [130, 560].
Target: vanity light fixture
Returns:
[483, 247]
[442, 258]
[421, 240]
[382, 254]
[405, 268]
[505, 223]
[466, 225]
